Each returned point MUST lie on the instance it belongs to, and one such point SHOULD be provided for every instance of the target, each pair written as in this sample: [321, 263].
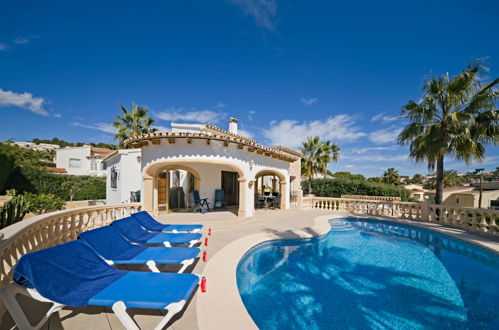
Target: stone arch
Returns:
[283, 184]
[152, 169]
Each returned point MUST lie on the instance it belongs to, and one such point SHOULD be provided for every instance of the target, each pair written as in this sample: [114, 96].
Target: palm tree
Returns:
[316, 157]
[479, 172]
[417, 179]
[391, 176]
[456, 117]
[132, 123]
[451, 179]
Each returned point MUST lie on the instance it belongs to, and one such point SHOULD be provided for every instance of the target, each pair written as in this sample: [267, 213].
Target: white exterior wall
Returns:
[128, 167]
[64, 157]
[210, 160]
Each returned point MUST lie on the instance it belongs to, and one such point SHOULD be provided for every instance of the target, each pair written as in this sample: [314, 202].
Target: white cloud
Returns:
[308, 101]
[263, 11]
[201, 116]
[291, 133]
[385, 135]
[364, 150]
[22, 100]
[379, 158]
[160, 128]
[57, 115]
[385, 118]
[244, 133]
[3, 46]
[21, 41]
[250, 114]
[103, 127]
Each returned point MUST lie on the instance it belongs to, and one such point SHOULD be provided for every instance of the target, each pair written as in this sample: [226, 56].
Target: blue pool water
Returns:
[367, 274]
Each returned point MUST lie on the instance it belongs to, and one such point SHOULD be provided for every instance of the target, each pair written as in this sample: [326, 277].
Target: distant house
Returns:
[56, 170]
[467, 197]
[34, 146]
[415, 191]
[84, 160]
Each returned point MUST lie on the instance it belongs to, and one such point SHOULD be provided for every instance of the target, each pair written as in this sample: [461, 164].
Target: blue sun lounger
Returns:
[132, 231]
[73, 274]
[150, 224]
[115, 249]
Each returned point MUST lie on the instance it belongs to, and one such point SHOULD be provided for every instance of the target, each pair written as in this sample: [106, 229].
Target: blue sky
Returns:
[285, 69]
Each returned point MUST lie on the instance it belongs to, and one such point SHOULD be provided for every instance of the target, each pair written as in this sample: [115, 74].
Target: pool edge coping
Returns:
[221, 307]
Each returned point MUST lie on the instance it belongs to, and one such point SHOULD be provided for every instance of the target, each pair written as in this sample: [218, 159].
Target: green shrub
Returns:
[7, 163]
[13, 211]
[36, 181]
[338, 187]
[43, 203]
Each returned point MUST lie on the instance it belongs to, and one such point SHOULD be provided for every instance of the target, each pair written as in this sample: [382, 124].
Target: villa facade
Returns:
[84, 160]
[204, 158]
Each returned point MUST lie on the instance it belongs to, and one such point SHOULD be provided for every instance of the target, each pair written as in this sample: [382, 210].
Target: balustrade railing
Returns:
[472, 219]
[51, 229]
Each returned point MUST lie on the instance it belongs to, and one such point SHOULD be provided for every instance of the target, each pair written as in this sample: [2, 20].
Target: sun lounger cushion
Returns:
[69, 273]
[112, 246]
[149, 223]
[147, 290]
[133, 231]
[74, 275]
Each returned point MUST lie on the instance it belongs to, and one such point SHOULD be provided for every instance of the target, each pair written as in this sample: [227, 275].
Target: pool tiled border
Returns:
[221, 307]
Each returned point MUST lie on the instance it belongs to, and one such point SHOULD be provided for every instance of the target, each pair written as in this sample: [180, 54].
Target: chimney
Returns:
[233, 125]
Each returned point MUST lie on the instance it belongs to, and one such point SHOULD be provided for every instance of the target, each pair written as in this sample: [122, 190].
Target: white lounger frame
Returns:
[8, 294]
[191, 243]
[152, 265]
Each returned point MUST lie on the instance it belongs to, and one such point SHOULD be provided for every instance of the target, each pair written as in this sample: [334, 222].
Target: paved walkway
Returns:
[227, 228]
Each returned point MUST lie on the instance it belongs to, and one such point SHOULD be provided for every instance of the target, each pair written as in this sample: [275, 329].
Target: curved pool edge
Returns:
[221, 307]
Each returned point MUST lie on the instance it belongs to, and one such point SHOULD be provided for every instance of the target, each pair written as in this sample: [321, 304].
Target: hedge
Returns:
[338, 187]
[29, 179]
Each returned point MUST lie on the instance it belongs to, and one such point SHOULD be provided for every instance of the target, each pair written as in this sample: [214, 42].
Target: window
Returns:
[103, 166]
[74, 162]
[93, 165]
[457, 200]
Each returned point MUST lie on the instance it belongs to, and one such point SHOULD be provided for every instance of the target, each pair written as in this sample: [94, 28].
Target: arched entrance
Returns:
[206, 176]
[175, 186]
[271, 189]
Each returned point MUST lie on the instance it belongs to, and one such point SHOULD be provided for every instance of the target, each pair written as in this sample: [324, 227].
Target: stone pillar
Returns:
[148, 194]
[155, 196]
[246, 199]
[425, 212]
[284, 191]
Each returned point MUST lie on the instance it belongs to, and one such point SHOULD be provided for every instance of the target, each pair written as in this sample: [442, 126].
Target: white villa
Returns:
[167, 166]
[84, 160]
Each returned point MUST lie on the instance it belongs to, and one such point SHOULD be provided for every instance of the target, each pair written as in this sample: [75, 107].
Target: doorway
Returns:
[230, 186]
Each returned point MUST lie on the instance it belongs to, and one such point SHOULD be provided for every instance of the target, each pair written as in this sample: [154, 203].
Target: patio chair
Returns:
[200, 202]
[116, 250]
[148, 222]
[277, 199]
[73, 274]
[220, 203]
[132, 231]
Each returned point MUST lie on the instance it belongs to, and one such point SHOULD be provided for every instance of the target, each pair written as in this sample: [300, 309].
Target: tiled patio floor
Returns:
[227, 227]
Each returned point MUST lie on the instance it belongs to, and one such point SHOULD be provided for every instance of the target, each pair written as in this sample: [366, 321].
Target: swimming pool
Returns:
[369, 274]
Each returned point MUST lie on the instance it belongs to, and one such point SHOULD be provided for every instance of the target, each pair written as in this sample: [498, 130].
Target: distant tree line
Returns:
[63, 143]
[23, 170]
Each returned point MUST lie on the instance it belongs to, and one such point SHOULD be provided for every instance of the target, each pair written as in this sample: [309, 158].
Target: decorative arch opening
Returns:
[270, 189]
[180, 177]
